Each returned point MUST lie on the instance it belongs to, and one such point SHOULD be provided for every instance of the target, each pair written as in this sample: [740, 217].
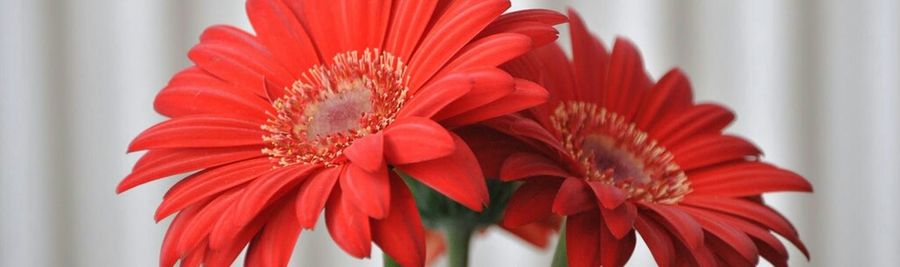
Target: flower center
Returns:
[331, 106]
[610, 150]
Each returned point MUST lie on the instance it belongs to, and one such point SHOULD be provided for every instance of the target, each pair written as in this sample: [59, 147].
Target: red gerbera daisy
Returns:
[620, 154]
[313, 112]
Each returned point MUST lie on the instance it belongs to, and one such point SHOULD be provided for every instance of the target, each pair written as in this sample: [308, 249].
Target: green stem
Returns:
[389, 262]
[459, 235]
[560, 258]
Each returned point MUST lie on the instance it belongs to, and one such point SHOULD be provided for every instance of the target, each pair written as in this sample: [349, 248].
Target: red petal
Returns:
[282, 34]
[226, 256]
[733, 238]
[227, 68]
[698, 120]
[657, 239]
[671, 95]
[201, 225]
[261, 191]
[751, 182]
[348, 227]
[314, 193]
[367, 152]
[524, 165]
[620, 221]
[531, 202]
[626, 80]
[198, 131]
[435, 96]
[490, 51]
[457, 176]
[589, 62]
[710, 150]
[583, 239]
[683, 225]
[243, 49]
[194, 258]
[414, 139]
[574, 196]
[488, 85]
[194, 92]
[459, 23]
[521, 127]
[162, 163]
[401, 234]
[616, 252]
[210, 182]
[534, 23]
[407, 26]
[609, 196]
[365, 23]
[275, 243]
[370, 192]
[751, 211]
[527, 94]
[169, 253]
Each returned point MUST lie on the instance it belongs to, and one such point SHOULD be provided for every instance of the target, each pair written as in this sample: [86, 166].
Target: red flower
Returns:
[620, 153]
[314, 111]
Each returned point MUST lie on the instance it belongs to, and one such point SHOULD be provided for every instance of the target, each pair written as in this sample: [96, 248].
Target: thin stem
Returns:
[389, 262]
[560, 258]
[459, 236]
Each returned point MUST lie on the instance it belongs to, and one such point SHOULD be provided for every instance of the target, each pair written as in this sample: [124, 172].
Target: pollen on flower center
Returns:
[332, 105]
[613, 151]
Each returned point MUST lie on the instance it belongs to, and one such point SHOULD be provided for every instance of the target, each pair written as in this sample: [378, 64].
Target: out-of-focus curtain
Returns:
[814, 83]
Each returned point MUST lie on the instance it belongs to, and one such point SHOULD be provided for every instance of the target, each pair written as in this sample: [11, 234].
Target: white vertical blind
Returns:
[814, 83]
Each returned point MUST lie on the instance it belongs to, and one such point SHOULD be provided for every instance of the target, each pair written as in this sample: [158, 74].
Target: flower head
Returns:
[618, 154]
[313, 112]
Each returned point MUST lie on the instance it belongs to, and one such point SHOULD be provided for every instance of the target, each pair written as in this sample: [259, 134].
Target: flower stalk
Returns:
[459, 236]
[559, 256]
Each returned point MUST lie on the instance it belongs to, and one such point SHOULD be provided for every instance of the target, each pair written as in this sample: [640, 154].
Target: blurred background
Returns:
[814, 83]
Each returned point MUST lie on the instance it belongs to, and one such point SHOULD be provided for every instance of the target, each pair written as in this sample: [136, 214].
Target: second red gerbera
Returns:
[619, 154]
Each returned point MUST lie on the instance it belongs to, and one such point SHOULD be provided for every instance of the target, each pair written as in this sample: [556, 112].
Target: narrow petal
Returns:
[670, 95]
[583, 240]
[626, 80]
[201, 225]
[457, 176]
[280, 31]
[526, 94]
[590, 61]
[313, 195]
[524, 165]
[407, 26]
[196, 92]
[683, 225]
[574, 196]
[710, 150]
[698, 120]
[488, 85]
[207, 183]
[490, 51]
[162, 163]
[537, 24]
[370, 192]
[198, 131]
[169, 253]
[275, 243]
[614, 251]
[609, 196]
[620, 220]
[401, 234]
[752, 182]
[456, 27]
[733, 238]
[348, 226]
[437, 95]
[531, 202]
[263, 190]
[414, 139]
[657, 239]
[367, 152]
